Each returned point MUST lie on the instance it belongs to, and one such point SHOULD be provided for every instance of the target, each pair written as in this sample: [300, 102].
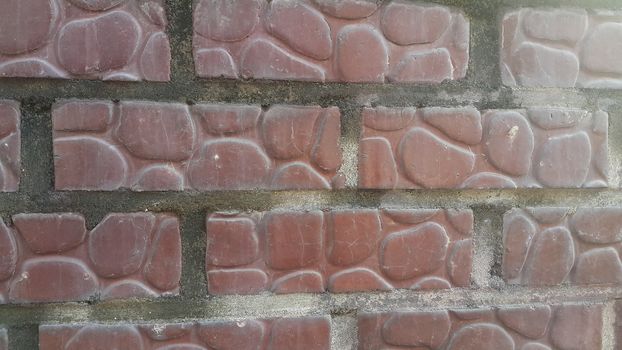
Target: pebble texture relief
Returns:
[84, 39]
[339, 250]
[352, 40]
[53, 258]
[10, 144]
[550, 246]
[533, 327]
[462, 148]
[562, 48]
[149, 146]
[303, 333]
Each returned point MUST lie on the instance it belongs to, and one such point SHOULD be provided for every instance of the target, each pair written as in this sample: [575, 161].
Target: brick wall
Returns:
[310, 174]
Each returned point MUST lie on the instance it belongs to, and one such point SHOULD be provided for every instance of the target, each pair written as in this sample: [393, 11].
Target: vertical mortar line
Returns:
[609, 325]
[37, 164]
[487, 238]
[193, 242]
[344, 332]
[613, 107]
[351, 115]
[484, 40]
[180, 31]
[24, 337]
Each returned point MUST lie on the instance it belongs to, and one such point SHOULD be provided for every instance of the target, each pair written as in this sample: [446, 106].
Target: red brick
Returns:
[271, 40]
[532, 327]
[561, 48]
[550, 246]
[302, 333]
[460, 148]
[10, 140]
[338, 250]
[126, 255]
[150, 146]
[81, 39]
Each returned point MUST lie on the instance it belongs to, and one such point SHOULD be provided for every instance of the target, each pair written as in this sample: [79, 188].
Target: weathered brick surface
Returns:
[10, 143]
[562, 48]
[352, 40]
[52, 257]
[103, 39]
[529, 327]
[303, 333]
[549, 246]
[148, 146]
[463, 148]
[339, 250]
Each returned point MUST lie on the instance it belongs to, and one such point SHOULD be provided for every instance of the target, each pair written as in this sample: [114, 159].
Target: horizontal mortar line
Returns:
[250, 92]
[293, 305]
[296, 92]
[266, 200]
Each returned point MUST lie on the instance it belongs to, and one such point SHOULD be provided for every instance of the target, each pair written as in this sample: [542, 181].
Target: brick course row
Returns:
[525, 327]
[284, 251]
[353, 41]
[303, 333]
[150, 146]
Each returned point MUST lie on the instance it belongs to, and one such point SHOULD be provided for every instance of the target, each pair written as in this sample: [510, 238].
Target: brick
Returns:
[393, 42]
[527, 327]
[4, 339]
[84, 39]
[340, 250]
[150, 146]
[302, 333]
[53, 258]
[461, 147]
[551, 246]
[10, 140]
[561, 47]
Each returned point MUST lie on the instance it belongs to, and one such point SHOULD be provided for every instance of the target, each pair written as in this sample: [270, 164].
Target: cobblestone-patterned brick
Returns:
[4, 339]
[53, 258]
[69, 39]
[311, 40]
[303, 333]
[149, 146]
[438, 147]
[550, 246]
[10, 144]
[562, 47]
[525, 327]
[339, 250]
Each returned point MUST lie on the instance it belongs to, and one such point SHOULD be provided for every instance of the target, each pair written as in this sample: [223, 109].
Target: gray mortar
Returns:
[481, 88]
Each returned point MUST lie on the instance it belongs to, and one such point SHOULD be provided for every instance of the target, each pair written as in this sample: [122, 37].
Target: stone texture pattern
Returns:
[551, 246]
[524, 327]
[149, 146]
[329, 40]
[10, 144]
[302, 333]
[436, 147]
[53, 258]
[340, 250]
[84, 39]
[562, 48]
